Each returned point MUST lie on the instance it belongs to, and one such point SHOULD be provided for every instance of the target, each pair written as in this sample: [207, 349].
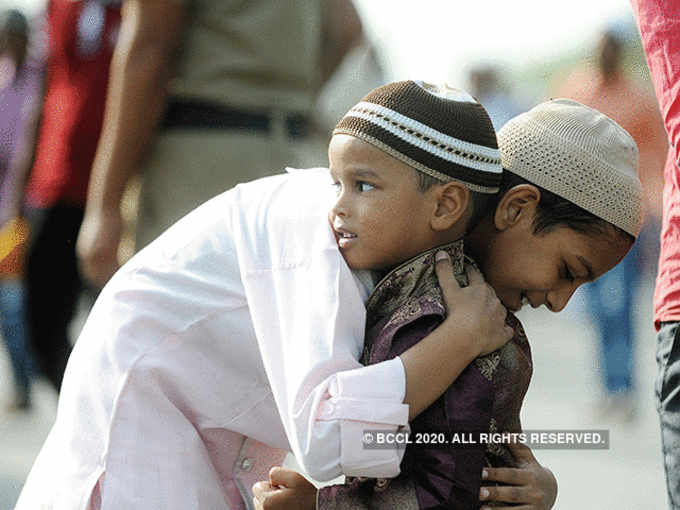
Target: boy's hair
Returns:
[580, 157]
[554, 211]
[442, 132]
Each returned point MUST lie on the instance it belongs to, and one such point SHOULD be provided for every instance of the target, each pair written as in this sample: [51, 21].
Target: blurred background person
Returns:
[361, 70]
[659, 26]
[612, 303]
[80, 39]
[206, 94]
[491, 87]
[20, 92]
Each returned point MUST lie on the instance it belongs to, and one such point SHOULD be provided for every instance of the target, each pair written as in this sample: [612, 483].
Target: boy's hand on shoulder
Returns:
[473, 311]
[286, 490]
[531, 485]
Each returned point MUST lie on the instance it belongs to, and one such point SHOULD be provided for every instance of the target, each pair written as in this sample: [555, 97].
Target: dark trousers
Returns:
[668, 402]
[53, 286]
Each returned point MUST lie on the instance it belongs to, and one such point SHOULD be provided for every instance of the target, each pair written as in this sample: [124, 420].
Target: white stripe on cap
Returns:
[376, 114]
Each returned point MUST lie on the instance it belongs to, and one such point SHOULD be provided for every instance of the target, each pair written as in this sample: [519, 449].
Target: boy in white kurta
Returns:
[234, 337]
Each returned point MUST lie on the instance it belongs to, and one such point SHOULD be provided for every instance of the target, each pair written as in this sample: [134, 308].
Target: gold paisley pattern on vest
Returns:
[488, 365]
[491, 447]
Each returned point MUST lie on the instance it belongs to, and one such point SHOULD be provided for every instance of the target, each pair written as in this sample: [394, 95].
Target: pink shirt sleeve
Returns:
[659, 24]
[309, 318]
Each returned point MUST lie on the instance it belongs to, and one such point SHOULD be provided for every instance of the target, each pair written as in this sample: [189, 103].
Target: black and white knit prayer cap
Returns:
[440, 131]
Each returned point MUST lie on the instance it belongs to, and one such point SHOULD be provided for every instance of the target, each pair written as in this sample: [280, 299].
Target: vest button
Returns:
[247, 465]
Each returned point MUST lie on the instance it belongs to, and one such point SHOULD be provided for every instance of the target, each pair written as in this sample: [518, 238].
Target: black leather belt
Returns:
[196, 115]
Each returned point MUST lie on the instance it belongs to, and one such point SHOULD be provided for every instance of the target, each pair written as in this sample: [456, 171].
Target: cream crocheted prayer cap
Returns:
[579, 154]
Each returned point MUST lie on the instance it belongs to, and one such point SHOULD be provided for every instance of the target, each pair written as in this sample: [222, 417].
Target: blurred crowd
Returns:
[120, 117]
[104, 148]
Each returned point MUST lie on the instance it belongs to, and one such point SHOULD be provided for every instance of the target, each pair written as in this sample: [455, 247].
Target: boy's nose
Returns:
[557, 299]
[340, 207]
[336, 211]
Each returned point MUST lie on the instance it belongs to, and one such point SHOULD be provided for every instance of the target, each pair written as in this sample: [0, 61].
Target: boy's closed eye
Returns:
[567, 273]
[571, 275]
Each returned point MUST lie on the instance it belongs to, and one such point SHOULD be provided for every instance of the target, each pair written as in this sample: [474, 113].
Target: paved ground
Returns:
[565, 385]
[628, 476]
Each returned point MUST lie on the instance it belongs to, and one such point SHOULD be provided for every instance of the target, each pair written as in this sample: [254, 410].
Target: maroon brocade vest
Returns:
[403, 309]
[487, 397]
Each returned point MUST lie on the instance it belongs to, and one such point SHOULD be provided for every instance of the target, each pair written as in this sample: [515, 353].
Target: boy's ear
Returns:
[453, 199]
[517, 204]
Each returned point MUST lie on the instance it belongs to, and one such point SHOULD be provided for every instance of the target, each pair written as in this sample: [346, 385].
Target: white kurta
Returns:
[243, 318]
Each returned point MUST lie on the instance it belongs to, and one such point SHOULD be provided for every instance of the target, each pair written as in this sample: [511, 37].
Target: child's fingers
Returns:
[512, 476]
[260, 492]
[447, 280]
[282, 477]
[510, 507]
[286, 490]
[522, 453]
[514, 495]
[503, 494]
[474, 277]
[524, 486]
[444, 269]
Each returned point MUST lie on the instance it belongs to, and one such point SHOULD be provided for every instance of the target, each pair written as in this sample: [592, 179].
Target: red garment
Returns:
[658, 21]
[81, 36]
